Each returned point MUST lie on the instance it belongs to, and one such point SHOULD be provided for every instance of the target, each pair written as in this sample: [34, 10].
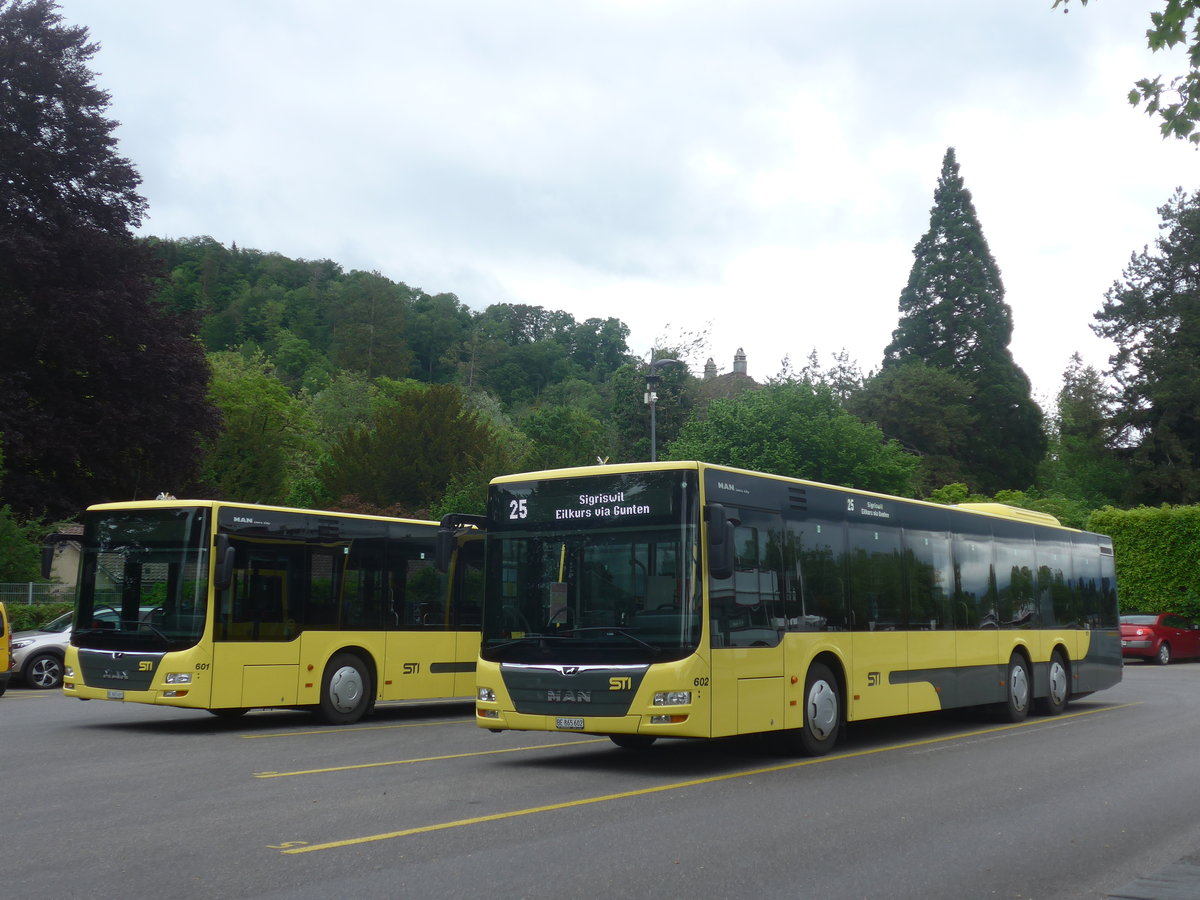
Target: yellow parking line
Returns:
[713, 779]
[405, 762]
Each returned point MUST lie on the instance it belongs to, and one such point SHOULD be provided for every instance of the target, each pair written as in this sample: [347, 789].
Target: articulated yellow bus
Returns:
[227, 607]
[682, 599]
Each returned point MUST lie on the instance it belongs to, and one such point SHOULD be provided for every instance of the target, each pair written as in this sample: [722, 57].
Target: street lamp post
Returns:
[652, 381]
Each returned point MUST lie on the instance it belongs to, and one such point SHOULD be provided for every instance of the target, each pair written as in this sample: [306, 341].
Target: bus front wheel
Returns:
[822, 712]
[345, 690]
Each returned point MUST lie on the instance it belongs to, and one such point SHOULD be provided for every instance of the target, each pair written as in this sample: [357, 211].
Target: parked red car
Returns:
[1160, 637]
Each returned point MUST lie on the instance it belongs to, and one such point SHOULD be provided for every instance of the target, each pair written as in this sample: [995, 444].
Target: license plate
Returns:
[116, 695]
[569, 723]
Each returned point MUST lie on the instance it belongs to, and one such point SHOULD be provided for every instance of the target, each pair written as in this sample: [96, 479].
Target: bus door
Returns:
[879, 674]
[747, 622]
[255, 654]
[932, 643]
[422, 656]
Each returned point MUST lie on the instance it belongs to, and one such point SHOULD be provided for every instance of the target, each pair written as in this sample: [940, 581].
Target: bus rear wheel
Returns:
[346, 689]
[822, 712]
[1059, 691]
[1017, 690]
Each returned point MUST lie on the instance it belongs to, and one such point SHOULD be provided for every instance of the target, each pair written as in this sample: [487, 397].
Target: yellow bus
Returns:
[227, 607]
[682, 599]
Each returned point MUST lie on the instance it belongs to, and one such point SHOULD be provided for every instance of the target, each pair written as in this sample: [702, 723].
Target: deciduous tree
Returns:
[1176, 104]
[415, 445]
[266, 443]
[102, 391]
[797, 429]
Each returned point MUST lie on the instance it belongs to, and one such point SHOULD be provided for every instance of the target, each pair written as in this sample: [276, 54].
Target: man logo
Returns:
[569, 670]
[569, 696]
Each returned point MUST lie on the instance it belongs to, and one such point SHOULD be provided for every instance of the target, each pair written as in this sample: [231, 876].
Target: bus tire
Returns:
[822, 712]
[1017, 690]
[346, 689]
[632, 741]
[1059, 687]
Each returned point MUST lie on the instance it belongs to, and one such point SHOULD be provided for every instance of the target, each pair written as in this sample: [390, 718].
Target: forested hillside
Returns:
[131, 366]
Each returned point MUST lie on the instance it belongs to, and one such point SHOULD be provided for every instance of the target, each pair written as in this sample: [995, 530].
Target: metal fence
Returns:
[22, 593]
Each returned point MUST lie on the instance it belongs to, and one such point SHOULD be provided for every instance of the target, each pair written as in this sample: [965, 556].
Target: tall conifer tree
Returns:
[1153, 316]
[953, 317]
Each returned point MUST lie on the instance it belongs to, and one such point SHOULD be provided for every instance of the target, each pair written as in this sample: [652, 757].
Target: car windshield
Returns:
[54, 626]
[144, 579]
[563, 586]
[1139, 620]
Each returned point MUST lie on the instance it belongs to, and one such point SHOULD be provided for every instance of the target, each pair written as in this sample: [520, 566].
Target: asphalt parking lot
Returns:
[106, 798]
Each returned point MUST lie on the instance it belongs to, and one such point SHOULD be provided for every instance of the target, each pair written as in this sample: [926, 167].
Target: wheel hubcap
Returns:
[45, 673]
[1058, 683]
[1018, 687]
[345, 689]
[822, 710]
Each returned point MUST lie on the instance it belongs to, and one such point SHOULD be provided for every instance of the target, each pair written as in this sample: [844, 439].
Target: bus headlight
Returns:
[178, 678]
[672, 698]
[486, 695]
[68, 671]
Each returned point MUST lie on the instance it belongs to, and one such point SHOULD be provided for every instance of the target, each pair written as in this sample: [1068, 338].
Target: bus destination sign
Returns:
[646, 498]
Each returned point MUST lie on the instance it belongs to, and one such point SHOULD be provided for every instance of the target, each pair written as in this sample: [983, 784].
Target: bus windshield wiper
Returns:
[532, 637]
[608, 629]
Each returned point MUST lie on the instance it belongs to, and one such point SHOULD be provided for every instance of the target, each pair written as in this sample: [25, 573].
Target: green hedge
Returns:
[1158, 557]
[23, 617]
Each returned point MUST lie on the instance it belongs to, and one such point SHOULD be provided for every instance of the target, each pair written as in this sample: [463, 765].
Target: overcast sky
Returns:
[759, 171]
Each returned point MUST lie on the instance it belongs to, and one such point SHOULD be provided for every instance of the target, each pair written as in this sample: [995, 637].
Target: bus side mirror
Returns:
[720, 542]
[447, 537]
[447, 542]
[223, 575]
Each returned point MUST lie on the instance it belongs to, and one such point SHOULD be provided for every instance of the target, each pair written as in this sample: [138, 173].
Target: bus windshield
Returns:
[144, 580]
[589, 569]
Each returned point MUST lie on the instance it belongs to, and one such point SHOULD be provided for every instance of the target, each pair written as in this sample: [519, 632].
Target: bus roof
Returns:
[211, 504]
[1001, 510]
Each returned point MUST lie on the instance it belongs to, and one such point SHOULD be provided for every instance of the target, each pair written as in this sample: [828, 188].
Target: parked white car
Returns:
[37, 655]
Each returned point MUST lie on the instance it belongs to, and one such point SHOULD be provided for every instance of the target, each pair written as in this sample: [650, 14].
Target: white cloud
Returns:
[765, 167]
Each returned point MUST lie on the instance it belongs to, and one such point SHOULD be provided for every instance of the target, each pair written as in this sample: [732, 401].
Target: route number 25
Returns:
[517, 509]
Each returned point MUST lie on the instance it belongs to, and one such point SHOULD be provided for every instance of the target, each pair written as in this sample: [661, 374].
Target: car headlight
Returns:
[17, 645]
